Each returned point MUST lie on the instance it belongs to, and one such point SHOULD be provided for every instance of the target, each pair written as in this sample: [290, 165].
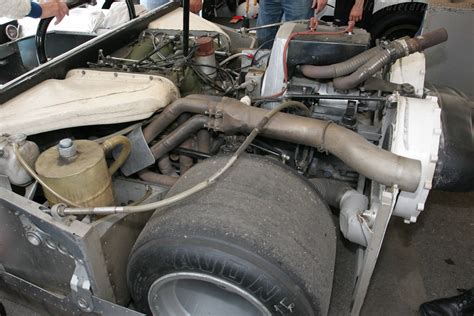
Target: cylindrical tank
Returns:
[10, 166]
[77, 171]
[205, 56]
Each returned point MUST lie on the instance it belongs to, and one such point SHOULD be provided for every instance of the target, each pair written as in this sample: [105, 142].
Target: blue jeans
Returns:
[151, 4]
[274, 11]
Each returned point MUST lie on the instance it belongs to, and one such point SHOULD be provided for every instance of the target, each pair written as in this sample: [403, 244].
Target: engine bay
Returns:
[110, 138]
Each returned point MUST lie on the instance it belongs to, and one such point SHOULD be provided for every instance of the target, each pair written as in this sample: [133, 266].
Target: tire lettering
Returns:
[234, 271]
[263, 288]
[277, 309]
[207, 263]
[182, 259]
[288, 306]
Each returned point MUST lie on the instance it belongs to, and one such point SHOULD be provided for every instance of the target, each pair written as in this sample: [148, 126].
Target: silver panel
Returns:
[140, 155]
[39, 264]
[368, 258]
[51, 255]
[118, 232]
[51, 262]
[19, 289]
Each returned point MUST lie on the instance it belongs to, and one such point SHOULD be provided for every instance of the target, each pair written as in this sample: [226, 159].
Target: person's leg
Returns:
[367, 15]
[151, 4]
[270, 11]
[297, 9]
[342, 10]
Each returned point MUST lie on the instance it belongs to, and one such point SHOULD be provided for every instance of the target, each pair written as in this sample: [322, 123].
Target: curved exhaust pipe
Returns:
[231, 116]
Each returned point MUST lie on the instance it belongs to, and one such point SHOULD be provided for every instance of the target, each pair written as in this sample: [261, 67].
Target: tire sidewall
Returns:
[263, 280]
[383, 21]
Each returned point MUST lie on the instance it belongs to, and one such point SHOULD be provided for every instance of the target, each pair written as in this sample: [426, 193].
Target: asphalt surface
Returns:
[418, 262]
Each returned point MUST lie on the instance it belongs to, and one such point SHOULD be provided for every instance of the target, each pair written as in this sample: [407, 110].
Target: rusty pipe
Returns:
[165, 166]
[427, 40]
[186, 162]
[203, 141]
[192, 104]
[359, 154]
[179, 135]
[153, 177]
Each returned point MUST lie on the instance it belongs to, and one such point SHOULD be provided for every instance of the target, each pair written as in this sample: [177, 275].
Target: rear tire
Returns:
[259, 241]
[397, 21]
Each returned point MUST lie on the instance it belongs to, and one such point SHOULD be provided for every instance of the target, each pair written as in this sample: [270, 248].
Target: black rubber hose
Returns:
[340, 69]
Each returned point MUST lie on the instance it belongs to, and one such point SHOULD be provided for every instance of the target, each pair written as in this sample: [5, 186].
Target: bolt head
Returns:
[65, 143]
[33, 238]
[83, 304]
[67, 148]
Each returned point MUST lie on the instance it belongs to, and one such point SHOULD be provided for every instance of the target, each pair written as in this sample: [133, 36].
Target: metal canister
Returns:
[205, 56]
[77, 170]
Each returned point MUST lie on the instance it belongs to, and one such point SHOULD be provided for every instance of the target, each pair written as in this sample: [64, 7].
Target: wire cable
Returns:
[63, 210]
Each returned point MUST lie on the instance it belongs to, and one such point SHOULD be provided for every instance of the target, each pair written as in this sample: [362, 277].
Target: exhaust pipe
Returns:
[359, 154]
[231, 116]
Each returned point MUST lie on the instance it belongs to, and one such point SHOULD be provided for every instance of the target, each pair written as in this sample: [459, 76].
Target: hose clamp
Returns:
[321, 147]
[404, 45]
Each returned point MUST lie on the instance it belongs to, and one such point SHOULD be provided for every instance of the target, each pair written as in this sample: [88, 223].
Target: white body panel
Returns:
[378, 5]
[86, 97]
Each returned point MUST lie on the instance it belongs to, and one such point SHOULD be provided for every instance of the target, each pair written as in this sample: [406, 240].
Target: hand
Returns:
[195, 6]
[319, 5]
[55, 8]
[356, 12]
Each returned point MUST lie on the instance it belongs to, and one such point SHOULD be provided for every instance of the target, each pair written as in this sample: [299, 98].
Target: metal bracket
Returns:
[5, 183]
[64, 305]
[140, 154]
[81, 288]
[371, 253]
[30, 190]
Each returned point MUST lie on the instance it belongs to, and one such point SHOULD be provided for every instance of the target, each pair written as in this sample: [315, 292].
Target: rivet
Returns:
[428, 185]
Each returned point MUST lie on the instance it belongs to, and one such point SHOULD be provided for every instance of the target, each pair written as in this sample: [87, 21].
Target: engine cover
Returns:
[325, 49]
[310, 49]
